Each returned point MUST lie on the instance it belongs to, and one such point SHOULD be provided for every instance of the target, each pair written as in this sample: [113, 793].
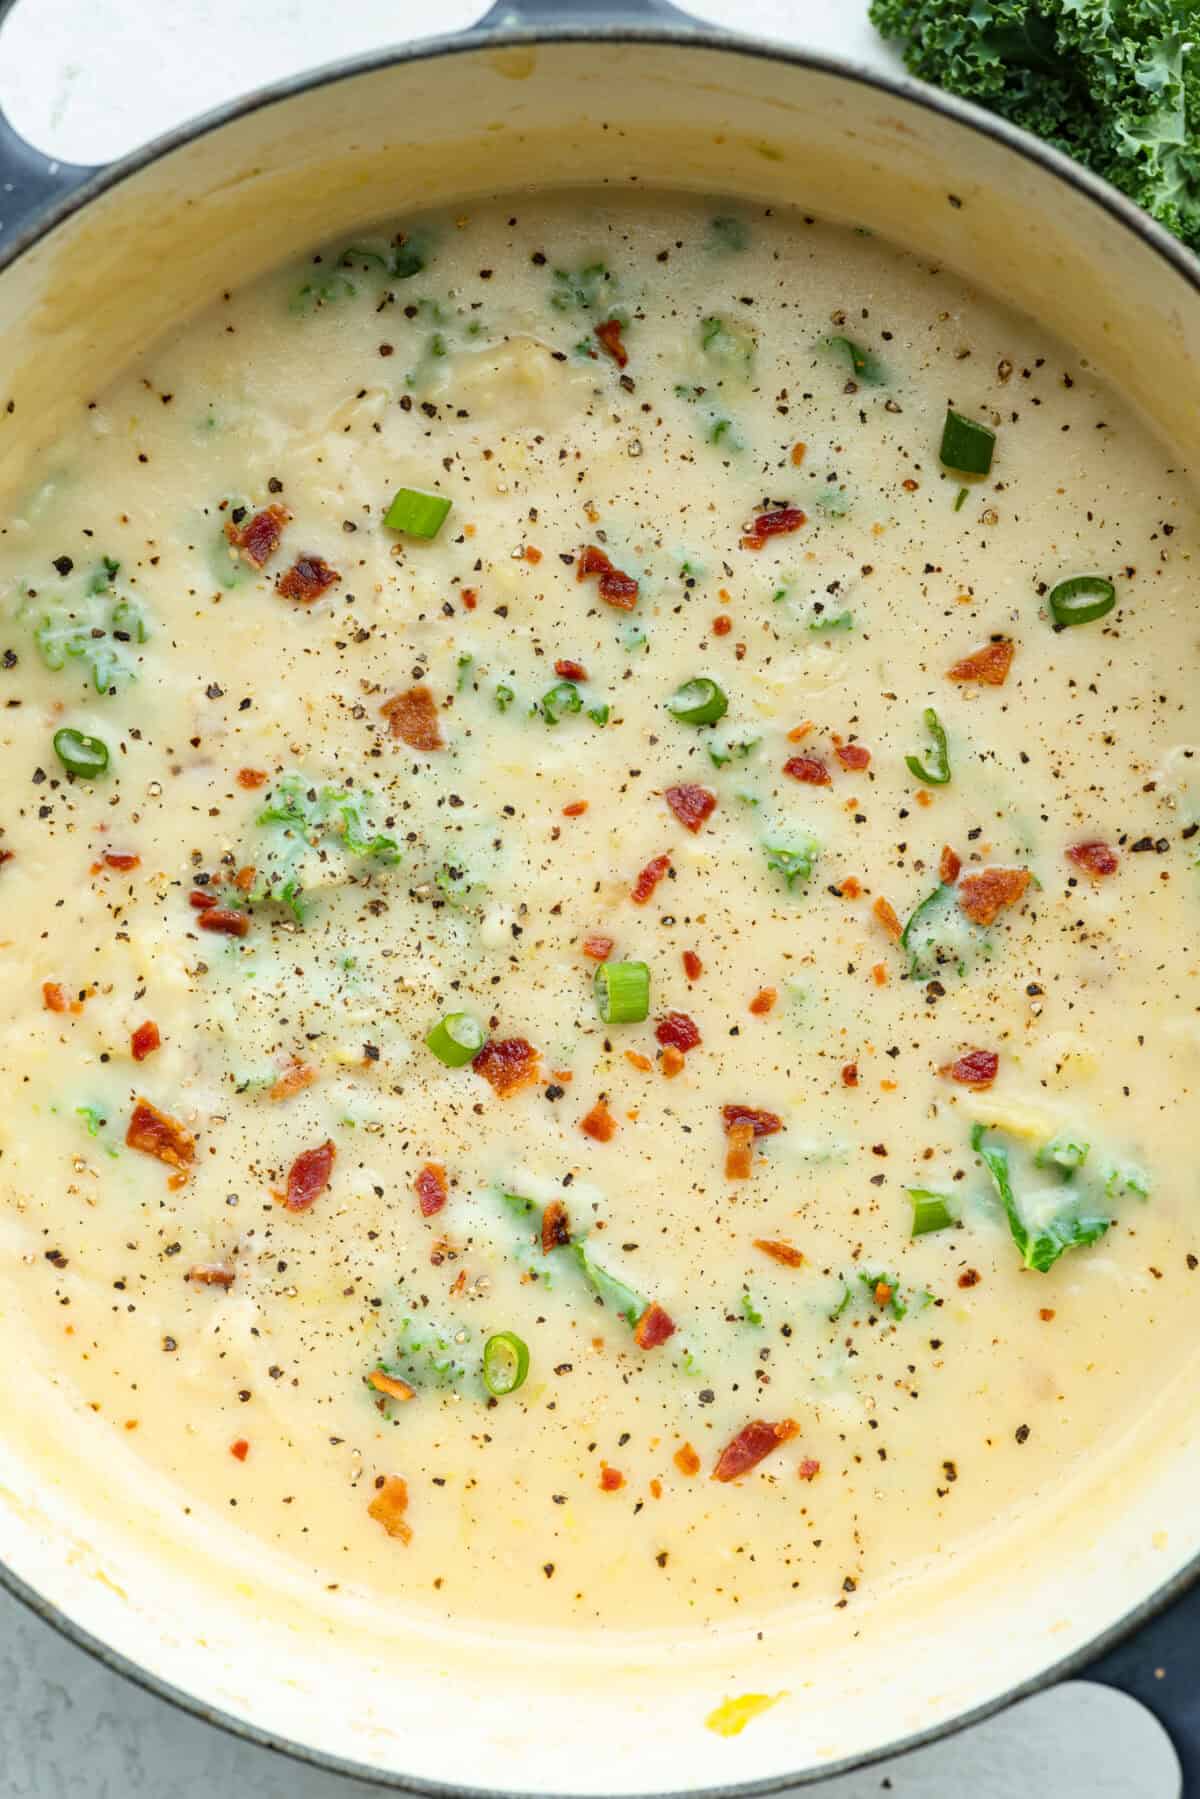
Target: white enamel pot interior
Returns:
[421, 1703]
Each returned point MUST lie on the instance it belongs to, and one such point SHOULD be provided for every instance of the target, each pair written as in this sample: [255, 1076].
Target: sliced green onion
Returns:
[504, 697]
[622, 992]
[1080, 600]
[599, 715]
[793, 862]
[960, 499]
[419, 514]
[1064, 1152]
[967, 445]
[505, 1363]
[931, 1211]
[456, 1039]
[865, 367]
[557, 701]
[465, 665]
[698, 702]
[938, 773]
[81, 754]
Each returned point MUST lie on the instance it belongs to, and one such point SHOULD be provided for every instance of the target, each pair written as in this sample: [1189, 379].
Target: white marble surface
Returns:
[86, 84]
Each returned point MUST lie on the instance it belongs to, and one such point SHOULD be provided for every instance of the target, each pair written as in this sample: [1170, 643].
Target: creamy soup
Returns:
[599, 915]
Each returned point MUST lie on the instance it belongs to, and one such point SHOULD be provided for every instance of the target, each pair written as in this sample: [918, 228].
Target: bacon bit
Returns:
[989, 666]
[885, 914]
[1046, 1314]
[570, 671]
[413, 717]
[576, 809]
[808, 1469]
[890, 1086]
[225, 920]
[686, 1460]
[983, 896]
[722, 625]
[850, 1075]
[295, 1077]
[653, 1327]
[390, 1384]
[556, 1228]
[691, 804]
[882, 1294]
[597, 948]
[853, 755]
[389, 1506]
[678, 1030]
[156, 1134]
[851, 888]
[976, 1069]
[970, 1277]
[950, 866]
[239, 1450]
[637, 1060]
[1097, 858]
[785, 1253]
[430, 1189]
[648, 880]
[693, 967]
[739, 1156]
[620, 590]
[611, 1479]
[609, 334]
[798, 733]
[308, 1177]
[879, 974]
[923, 797]
[257, 540]
[809, 769]
[200, 902]
[144, 1041]
[211, 1274]
[772, 524]
[54, 996]
[507, 1064]
[763, 1124]
[754, 1441]
[673, 1061]
[656, 1488]
[470, 598]
[798, 454]
[120, 859]
[250, 778]
[307, 579]
[243, 880]
[531, 554]
[763, 1001]
[599, 1123]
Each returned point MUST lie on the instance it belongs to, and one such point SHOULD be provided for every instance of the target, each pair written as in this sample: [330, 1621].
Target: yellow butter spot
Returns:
[732, 1716]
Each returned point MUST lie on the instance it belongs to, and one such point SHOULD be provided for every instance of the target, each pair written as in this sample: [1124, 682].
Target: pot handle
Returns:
[543, 15]
[1156, 1665]
[29, 180]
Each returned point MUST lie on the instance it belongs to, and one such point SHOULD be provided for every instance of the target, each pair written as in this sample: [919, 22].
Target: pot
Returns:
[93, 266]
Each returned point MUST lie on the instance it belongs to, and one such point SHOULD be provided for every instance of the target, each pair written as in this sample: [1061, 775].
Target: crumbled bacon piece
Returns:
[599, 1123]
[648, 880]
[307, 579]
[679, 1030]
[224, 919]
[532, 554]
[850, 1074]
[570, 671]
[772, 524]
[693, 967]
[413, 717]
[556, 1227]
[763, 1002]
[686, 1460]
[308, 1177]
[786, 1253]
[597, 948]
[976, 1069]
[722, 625]
[691, 804]
[470, 598]
[390, 1385]
[989, 666]
[144, 1041]
[1097, 858]
[763, 1124]
[853, 755]
[950, 866]
[212, 1274]
[295, 1077]
[753, 1442]
[576, 809]
[389, 1506]
[430, 1189]
[984, 895]
[200, 902]
[673, 1061]
[123, 860]
[739, 1153]
[54, 996]
[653, 1327]
[809, 769]
[620, 590]
[239, 1450]
[609, 334]
[156, 1134]
[507, 1064]
[250, 778]
[808, 1469]
[643, 1064]
[885, 914]
[611, 1479]
[257, 540]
